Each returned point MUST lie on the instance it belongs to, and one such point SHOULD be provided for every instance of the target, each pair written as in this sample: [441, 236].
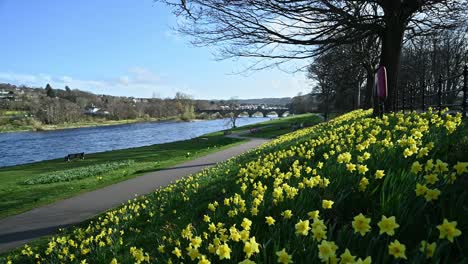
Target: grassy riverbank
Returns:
[358, 188]
[16, 195]
[276, 127]
[28, 186]
[29, 124]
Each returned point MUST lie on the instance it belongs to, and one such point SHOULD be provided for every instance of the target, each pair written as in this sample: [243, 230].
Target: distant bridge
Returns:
[250, 112]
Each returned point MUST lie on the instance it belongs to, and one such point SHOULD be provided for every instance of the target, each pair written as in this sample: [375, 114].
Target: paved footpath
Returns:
[19, 229]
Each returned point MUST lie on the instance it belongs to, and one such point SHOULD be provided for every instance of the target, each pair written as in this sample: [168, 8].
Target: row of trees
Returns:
[276, 32]
[56, 106]
[344, 75]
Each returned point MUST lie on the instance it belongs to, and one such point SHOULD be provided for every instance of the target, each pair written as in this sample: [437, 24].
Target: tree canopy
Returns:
[276, 31]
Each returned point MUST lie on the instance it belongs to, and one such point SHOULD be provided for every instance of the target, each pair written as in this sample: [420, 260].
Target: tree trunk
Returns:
[392, 41]
[370, 83]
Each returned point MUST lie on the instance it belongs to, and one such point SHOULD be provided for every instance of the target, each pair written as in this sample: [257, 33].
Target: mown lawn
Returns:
[16, 197]
[358, 189]
[276, 127]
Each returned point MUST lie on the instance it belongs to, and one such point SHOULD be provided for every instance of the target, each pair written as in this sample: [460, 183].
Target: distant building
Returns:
[8, 96]
[92, 110]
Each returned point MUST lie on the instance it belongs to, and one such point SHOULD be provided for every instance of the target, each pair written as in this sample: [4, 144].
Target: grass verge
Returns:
[30, 124]
[358, 188]
[276, 127]
[15, 197]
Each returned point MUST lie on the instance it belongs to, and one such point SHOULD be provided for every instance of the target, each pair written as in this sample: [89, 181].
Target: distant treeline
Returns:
[57, 106]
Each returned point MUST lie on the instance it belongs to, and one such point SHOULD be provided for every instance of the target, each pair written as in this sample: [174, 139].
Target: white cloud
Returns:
[137, 82]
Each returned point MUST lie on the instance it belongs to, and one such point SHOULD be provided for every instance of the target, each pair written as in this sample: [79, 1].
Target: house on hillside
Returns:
[95, 111]
[7, 95]
[91, 110]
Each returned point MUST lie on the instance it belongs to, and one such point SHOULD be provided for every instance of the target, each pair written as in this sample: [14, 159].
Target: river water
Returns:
[26, 147]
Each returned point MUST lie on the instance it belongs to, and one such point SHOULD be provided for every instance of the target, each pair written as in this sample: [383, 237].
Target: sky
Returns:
[124, 48]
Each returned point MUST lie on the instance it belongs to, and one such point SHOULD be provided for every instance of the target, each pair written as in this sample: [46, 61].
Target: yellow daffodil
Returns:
[362, 169]
[224, 251]
[313, 214]
[284, 257]
[361, 224]
[428, 248]
[432, 194]
[327, 250]
[388, 225]
[269, 220]
[367, 260]
[251, 247]
[302, 228]
[327, 204]
[347, 258]
[203, 260]
[287, 214]
[420, 189]
[416, 167]
[363, 184]
[177, 252]
[461, 167]
[431, 178]
[351, 167]
[397, 250]
[379, 174]
[448, 230]
[246, 224]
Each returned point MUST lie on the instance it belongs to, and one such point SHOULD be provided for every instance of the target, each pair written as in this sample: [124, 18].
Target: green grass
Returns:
[159, 219]
[15, 197]
[78, 173]
[31, 124]
[167, 212]
[13, 113]
[276, 127]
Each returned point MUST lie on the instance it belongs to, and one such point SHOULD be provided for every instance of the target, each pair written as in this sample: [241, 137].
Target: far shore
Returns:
[93, 124]
[96, 123]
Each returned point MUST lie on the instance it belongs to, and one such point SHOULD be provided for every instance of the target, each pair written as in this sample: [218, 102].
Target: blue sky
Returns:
[122, 47]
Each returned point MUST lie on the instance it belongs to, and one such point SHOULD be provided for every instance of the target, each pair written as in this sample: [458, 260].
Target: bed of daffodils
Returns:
[358, 189]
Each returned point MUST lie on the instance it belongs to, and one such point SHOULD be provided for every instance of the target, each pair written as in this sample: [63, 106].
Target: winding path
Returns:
[20, 229]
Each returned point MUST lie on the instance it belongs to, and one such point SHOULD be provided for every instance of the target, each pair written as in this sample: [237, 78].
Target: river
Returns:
[26, 147]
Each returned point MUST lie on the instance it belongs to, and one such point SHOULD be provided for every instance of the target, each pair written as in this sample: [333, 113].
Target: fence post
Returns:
[423, 89]
[465, 88]
[439, 94]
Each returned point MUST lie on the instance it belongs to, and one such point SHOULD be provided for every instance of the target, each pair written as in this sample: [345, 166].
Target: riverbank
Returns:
[275, 127]
[291, 193]
[16, 195]
[33, 125]
[27, 186]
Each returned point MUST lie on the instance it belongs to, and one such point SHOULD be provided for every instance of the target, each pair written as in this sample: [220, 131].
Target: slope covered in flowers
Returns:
[358, 189]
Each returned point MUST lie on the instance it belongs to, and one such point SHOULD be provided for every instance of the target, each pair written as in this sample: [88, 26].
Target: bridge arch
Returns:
[258, 114]
[244, 114]
[272, 113]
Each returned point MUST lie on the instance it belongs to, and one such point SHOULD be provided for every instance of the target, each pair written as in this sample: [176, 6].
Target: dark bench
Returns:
[227, 132]
[73, 156]
[254, 130]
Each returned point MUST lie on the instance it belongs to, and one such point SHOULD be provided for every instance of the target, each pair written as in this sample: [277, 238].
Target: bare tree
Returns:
[286, 30]
[233, 115]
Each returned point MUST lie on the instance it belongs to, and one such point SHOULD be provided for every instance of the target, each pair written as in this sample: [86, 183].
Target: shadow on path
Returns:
[31, 234]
